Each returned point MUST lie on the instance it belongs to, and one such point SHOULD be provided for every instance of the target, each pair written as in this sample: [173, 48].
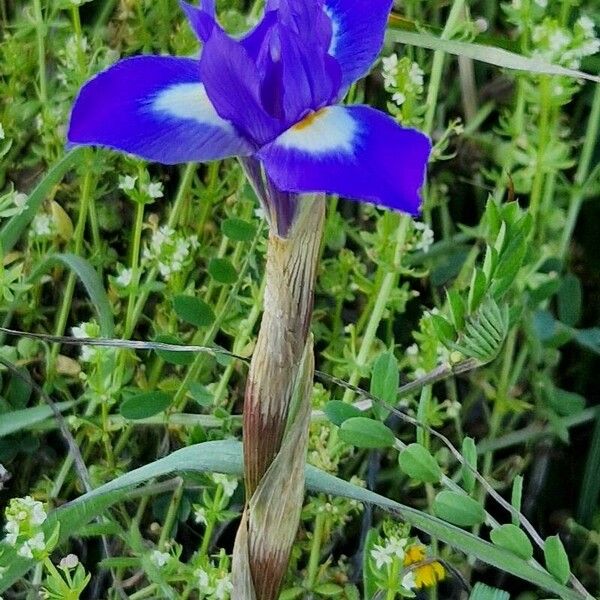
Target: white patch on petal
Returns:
[335, 31]
[329, 130]
[189, 101]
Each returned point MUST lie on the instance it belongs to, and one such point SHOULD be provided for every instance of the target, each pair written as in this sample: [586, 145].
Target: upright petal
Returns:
[358, 31]
[356, 152]
[201, 18]
[233, 84]
[156, 108]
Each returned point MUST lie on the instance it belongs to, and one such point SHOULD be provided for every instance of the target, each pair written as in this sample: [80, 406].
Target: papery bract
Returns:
[272, 97]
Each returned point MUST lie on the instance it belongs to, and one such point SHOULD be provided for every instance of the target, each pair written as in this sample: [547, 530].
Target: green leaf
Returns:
[481, 591]
[458, 509]
[12, 230]
[225, 456]
[477, 290]
[366, 433]
[238, 230]
[443, 329]
[487, 54]
[513, 539]
[222, 270]
[201, 394]
[557, 561]
[91, 282]
[385, 377]
[172, 356]
[329, 590]
[457, 309]
[11, 422]
[565, 403]
[338, 412]
[143, 406]
[589, 338]
[417, 462]
[516, 496]
[469, 452]
[385, 380]
[193, 310]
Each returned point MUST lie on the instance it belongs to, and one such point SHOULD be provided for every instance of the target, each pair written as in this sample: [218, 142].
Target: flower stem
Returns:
[277, 408]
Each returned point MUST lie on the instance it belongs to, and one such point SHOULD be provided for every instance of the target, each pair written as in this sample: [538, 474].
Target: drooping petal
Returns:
[156, 108]
[356, 152]
[358, 31]
[233, 84]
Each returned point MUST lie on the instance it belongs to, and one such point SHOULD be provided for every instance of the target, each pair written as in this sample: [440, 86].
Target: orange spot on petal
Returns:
[309, 120]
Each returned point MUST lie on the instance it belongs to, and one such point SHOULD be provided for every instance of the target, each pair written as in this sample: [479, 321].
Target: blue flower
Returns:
[271, 98]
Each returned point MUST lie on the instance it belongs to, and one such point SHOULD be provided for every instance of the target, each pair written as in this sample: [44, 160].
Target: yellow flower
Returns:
[426, 575]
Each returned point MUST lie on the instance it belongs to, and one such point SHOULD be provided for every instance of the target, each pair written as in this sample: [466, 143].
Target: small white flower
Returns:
[160, 559]
[69, 562]
[395, 547]
[229, 483]
[20, 201]
[399, 98]
[390, 70]
[200, 515]
[587, 25]
[542, 3]
[41, 225]
[408, 581]
[127, 183]
[223, 588]
[416, 74]
[12, 532]
[124, 278]
[1, 132]
[38, 541]
[155, 189]
[412, 350]
[381, 556]
[203, 580]
[25, 551]
[87, 330]
[38, 514]
[559, 40]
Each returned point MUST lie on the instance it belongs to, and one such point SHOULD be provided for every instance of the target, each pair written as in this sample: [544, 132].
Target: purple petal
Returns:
[358, 31]
[356, 152]
[156, 108]
[233, 84]
[202, 18]
[300, 77]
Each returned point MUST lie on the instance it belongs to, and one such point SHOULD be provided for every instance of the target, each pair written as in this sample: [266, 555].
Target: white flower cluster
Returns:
[159, 559]
[88, 330]
[23, 519]
[152, 190]
[384, 555]
[228, 483]
[559, 45]
[213, 584]
[169, 250]
[424, 236]
[402, 78]
[42, 227]
[72, 56]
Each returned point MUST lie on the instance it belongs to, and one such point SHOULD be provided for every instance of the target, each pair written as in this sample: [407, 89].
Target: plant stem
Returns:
[315, 551]
[40, 28]
[583, 169]
[383, 296]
